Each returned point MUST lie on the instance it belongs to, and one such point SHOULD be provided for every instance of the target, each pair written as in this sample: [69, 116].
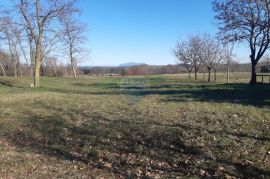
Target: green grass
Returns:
[162, 126]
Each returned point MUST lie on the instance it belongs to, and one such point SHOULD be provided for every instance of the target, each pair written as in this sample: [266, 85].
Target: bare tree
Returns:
[213, 54]
[2, 56]
[183, 56]
[11, 33]
[73, 39]
[245, 20]
[196, 49]
[39, 17]
[51, 43]
[51, 65]
[25, 43]
[190, 53]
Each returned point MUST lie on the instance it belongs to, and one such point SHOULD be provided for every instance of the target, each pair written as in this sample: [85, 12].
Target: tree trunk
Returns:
[72, 61]
[2, 68]
[37, 64]
[196, 73]
[55, 72]
[215, 74]
[32, 56]
[189, 74]
[228, 74]
[38, 45]
[74, 71]
[253, 73]
[20, 68]
[15, 70]
[209, 74]
[31, 71]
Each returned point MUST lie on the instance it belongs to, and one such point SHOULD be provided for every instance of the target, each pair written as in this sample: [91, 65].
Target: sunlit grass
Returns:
[172, 126]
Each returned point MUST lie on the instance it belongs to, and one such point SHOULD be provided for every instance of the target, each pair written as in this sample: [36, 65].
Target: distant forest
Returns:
[165, 69]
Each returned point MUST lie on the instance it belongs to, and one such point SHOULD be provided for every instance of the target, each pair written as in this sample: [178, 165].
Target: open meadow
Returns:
[161, 126]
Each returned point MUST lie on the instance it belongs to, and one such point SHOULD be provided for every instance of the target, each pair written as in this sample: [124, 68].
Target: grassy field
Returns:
[148, 127]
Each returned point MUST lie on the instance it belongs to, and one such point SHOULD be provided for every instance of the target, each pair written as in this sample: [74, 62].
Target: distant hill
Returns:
[131, 64]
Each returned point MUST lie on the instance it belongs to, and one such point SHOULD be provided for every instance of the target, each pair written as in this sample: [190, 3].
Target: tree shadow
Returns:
[97, 85]
[120, 147]
[255, 95]
[6, 83]
[245, 94]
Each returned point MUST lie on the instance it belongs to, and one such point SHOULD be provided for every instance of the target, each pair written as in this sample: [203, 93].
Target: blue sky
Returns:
[144, 31]
[122, 31]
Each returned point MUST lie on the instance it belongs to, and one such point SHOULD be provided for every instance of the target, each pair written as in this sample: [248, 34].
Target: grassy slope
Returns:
[171, 127]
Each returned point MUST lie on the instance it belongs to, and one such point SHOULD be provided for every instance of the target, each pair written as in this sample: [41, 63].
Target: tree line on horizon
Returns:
[140, 70]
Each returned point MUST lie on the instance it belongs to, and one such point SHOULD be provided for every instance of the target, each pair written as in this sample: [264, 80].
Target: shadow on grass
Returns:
[97, 85]
[234, 93]
[123, 148]
[256, 95]
[6, 83]
[129, 148]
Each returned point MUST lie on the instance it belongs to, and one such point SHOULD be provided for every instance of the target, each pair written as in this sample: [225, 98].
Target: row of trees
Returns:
[243, 21]
[50, 66]
[168, 69]
[34, 29]
[37, 31]
[202, 51]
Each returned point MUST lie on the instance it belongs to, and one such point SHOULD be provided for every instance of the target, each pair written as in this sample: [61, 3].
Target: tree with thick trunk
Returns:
[209, 73]
[189, 74]
[46, 16]
[196, 69]
[245, 20]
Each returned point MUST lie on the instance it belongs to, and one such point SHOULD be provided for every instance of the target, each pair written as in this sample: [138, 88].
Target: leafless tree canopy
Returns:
[41, 19]
[245, 21]
[11, 36]
[190, 53]
[33, 33]
[213, 54]
[73, 40]
[200, 50]
[182, 53]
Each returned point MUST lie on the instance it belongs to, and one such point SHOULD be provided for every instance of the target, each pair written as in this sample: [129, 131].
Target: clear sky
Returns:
[142, 30]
